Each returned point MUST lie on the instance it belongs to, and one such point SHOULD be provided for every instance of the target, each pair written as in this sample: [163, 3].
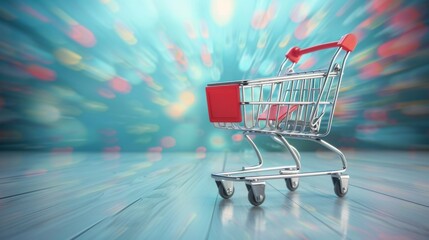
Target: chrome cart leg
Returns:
[333, 149]
[275, 138]
[296, 151]
[295, 154]
[226, 188]
[258, 153]
[341, 184]
[256, 194]
[291, 183]
[340, 181]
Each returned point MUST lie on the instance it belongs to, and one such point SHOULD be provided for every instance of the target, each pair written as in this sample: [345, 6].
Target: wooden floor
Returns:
[172, 196]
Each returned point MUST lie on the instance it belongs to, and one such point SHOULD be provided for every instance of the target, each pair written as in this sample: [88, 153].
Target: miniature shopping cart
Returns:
[297, 105]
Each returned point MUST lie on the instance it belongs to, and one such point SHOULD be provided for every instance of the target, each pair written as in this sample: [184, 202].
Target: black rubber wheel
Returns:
[252, 199]
[337, 188]
[289, 185]
[223, 193]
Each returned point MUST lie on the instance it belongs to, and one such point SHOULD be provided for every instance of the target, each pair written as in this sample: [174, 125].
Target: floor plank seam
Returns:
[211, 220]
[303, 208]
[387, 220]
[129, 205]
[19, 194]
[379, 215]
[95, 224]
[86, 230]
[216, 200]
[388, 195]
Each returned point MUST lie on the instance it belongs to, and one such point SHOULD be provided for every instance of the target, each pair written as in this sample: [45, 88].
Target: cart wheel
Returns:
[337, 188]
[255, 200]
[292, 183]
[225, 192]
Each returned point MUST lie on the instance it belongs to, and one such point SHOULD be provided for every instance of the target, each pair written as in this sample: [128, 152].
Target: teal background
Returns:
[129, 75]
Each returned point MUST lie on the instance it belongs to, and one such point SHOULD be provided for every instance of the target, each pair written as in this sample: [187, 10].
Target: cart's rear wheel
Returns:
[225, 193]
[337, 188]
[292, 184]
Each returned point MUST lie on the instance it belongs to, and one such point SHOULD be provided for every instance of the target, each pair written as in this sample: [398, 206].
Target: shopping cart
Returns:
[296, 105]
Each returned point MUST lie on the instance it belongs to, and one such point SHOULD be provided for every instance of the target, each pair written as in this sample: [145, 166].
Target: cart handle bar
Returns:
[347, 42]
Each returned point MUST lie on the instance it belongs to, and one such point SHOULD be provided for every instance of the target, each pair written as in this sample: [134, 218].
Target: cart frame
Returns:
[294, 105]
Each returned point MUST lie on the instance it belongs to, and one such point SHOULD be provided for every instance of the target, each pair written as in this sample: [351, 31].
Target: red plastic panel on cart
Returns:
[283, 112]
[223, 102]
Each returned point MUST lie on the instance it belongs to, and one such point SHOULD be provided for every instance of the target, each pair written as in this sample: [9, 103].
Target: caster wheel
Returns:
[225, 192]
[292, 183]
[255, 200]
[337, 188]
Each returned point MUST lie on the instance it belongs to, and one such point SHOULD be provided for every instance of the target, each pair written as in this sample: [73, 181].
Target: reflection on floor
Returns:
[171, 196]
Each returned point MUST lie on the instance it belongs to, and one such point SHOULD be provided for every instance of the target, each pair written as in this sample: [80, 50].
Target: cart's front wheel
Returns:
[226, 193]
[256, 194]
[226, 190]
[292, 183]
[255, 200]
[337, 189]
[341, 186]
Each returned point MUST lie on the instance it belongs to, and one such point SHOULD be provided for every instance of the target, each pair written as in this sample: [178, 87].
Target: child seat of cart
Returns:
[282, 111]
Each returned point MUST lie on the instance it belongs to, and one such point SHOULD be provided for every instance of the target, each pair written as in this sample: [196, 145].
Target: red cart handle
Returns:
[347, 42]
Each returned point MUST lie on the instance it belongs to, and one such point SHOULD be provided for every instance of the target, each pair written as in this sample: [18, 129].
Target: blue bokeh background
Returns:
[129, 75]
